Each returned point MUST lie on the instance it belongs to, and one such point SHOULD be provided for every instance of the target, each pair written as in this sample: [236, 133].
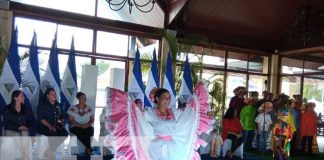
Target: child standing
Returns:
[263, 121]
[283, 135]
[247, 117]
[308, 127]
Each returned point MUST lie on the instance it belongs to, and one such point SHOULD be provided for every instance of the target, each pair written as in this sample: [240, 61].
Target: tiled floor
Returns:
[64, 152]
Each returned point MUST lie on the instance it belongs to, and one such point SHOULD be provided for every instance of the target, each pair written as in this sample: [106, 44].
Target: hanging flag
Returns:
[186, 83]
[136, 87]
[153, 80]
[69, 82]
[31, 78]
[10, 77]
[51, 78]
[168, 82]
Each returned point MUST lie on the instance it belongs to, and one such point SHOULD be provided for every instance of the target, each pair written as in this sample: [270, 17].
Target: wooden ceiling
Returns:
[250, 24]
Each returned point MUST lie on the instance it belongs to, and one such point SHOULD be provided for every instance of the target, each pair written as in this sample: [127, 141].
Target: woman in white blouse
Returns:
[81, 117]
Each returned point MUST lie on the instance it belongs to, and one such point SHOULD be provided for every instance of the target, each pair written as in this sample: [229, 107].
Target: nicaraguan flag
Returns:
[136, 87]
[168, 82]
[10, 77]
[153, 80]
[31, 78]
[69, 82]
[186, 84]
[51, 77]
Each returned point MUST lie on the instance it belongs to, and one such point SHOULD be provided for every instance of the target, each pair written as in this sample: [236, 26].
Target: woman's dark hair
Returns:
[137, 100]
[14, 95]
[48, 90]
[159, 93]
[284, 99]
[79, 94]
[230, 113]
[254, 93]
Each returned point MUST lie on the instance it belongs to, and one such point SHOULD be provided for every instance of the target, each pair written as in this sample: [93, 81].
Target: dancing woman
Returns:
[162, 132]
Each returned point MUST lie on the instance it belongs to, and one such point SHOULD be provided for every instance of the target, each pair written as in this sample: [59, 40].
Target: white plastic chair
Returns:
[227, 146]
[75, 142]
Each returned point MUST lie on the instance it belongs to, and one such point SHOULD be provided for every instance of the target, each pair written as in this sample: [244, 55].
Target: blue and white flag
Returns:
[10, 77]
[136, 87]
[153, 79]
[31, 78]
[51, 77]
[186, 83]
[69, 82]
[168, 82]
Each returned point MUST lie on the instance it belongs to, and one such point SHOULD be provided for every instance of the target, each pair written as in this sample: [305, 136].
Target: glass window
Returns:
[233, 80]
[257, 83]
[83, 38]
[112, 43]
[291, 66]
[215, 83]
[45, 31]
[43, 62]
[258, 64]
[310, 67]
[24, 56]
[146, 47]
[145, 66]
[110, 74]
[195, 75]
[193, 58]
[237, 61]
[79, 62]
[155, 18]
[86, 7]
[313, 91]
[214, 58]
[290, 85]
[43, 56]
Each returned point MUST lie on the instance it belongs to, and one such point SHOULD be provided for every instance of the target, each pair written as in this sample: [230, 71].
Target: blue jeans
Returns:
[248, 138]
[262, 140]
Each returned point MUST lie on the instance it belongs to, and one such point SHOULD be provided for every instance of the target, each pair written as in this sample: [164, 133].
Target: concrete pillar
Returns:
[274, 74]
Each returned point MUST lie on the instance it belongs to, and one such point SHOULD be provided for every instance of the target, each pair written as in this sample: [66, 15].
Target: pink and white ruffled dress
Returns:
[147, 135]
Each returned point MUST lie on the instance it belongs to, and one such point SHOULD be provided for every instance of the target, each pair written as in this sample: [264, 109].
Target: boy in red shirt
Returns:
[308, 127]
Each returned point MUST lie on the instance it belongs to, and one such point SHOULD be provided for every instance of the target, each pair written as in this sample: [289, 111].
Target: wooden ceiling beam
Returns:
[163, 5]
[228, 40]
[302, 51]
[174, 8]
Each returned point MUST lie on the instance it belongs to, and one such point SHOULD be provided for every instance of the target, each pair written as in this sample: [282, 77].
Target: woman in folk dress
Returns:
[160, 133]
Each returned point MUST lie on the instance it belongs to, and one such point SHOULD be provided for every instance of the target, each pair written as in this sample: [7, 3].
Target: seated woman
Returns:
[18, 120]
[232, 129]
[81, 117]
[51, 122]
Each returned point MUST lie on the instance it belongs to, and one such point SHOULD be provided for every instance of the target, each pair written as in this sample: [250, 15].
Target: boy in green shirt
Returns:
[247, 117]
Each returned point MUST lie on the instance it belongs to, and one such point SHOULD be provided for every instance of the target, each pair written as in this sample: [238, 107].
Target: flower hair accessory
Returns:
[267, 107]
[152, 93]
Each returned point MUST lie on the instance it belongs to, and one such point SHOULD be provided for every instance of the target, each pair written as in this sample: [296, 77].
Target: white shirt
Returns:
[264, 120]
[81, 116]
